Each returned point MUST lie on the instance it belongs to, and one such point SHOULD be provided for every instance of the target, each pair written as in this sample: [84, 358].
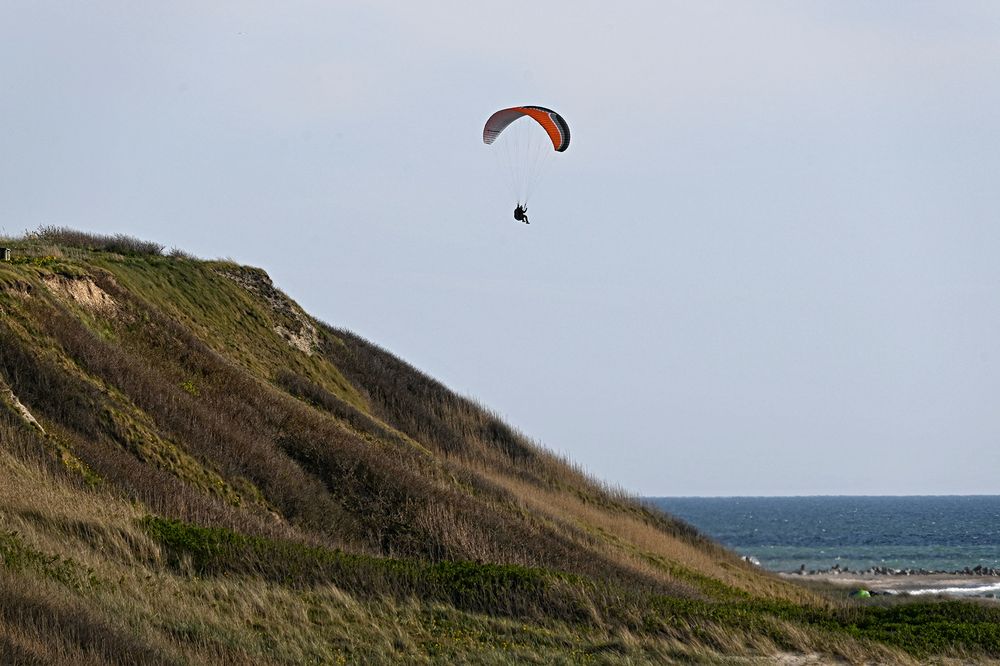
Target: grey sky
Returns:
[768, 263]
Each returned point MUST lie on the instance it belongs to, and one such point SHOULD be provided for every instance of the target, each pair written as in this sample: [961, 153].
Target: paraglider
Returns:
[521, 213]
[525, 137]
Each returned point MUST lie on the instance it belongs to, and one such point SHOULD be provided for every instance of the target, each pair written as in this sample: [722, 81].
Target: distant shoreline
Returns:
[951, 584]
[879, 539]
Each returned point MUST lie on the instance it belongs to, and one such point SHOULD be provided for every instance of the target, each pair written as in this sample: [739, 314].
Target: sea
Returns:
[935, 533]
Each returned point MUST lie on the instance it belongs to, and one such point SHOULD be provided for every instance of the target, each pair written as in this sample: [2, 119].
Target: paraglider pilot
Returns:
[521, 213]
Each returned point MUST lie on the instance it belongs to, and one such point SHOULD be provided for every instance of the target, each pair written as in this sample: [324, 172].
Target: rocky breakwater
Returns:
[836, 569]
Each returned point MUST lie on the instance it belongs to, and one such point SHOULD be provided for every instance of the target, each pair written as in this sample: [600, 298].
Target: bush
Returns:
[120, 243]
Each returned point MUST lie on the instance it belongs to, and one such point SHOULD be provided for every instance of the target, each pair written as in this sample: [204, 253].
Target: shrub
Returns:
[120, 243]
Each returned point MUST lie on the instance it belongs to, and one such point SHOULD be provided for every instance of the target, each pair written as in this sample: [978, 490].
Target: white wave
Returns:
[970, 591]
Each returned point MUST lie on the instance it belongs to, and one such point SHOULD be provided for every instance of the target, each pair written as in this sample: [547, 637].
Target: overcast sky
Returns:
[769, 263]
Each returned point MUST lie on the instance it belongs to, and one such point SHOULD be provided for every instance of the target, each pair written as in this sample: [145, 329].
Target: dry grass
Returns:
[137, 611]
[53, 516]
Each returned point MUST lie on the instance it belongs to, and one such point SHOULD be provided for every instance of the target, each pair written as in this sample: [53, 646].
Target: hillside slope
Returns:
[193, 470]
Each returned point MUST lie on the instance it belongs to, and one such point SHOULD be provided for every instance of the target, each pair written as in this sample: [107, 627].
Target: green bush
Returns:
[16, 555]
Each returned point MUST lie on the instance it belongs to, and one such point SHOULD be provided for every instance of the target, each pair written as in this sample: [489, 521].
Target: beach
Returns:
[958, 585]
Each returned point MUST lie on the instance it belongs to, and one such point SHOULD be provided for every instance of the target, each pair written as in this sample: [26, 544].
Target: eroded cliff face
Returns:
[296, 327]
[8, 398]
[81, 290]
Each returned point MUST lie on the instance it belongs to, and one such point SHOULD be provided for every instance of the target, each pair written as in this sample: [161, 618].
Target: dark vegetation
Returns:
[198, 429]
[117, 243]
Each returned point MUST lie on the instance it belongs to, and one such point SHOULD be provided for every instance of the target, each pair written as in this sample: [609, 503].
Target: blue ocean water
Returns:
[939, 533]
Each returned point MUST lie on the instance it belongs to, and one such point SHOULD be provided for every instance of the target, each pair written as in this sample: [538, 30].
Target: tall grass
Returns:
[118, 243]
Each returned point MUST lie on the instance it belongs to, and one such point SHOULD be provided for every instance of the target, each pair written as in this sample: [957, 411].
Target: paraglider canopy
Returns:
[550, 121]
[525, 139]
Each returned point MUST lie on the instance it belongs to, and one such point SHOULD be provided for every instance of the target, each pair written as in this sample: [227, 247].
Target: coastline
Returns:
[957, 584]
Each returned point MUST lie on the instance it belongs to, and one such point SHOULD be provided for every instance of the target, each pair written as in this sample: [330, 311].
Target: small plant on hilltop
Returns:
[178, 253]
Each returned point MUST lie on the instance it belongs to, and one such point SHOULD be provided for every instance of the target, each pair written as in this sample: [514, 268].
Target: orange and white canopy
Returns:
[550, 121]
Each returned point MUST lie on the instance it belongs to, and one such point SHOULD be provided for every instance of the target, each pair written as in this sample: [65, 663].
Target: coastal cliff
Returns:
[195, 470]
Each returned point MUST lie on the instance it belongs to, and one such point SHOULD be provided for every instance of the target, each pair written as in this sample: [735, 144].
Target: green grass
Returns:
[921, 628]
[927, 628]
[233, 319]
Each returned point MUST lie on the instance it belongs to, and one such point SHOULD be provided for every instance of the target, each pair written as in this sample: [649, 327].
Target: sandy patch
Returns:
[784, 659]
[7, 394]
[306, 340]
[81, 290]
[256, 281]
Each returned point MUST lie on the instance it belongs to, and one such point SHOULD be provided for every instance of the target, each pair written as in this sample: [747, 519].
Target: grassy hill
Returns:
[194, 470]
